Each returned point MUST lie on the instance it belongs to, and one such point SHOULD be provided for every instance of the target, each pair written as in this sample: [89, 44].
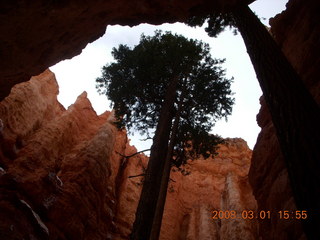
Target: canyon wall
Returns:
[37, 34]
[55, 170]
[57, 183]
[64, 175]
[194, 191]
[297, 31]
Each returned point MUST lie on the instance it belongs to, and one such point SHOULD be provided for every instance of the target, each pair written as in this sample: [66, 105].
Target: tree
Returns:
[172, 84]
[294, 112]
[217, 22]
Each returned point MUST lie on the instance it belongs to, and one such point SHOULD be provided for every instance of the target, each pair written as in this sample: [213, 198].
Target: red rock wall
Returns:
[63, 176]
[56, 163]
[297, 31]
[218, 183]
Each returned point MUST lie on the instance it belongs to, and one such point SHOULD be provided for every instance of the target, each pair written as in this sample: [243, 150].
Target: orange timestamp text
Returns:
[250, 214]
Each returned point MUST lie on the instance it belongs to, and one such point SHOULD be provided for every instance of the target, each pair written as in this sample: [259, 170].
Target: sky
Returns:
[79, 73]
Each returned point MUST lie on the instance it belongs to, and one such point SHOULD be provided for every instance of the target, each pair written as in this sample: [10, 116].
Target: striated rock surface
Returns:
[297, 31]
[202, 186]
[56, 165]
[64, 175]
[37, 34]
[218, 183]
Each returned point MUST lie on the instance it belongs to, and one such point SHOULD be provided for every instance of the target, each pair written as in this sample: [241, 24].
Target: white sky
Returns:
[78, 74]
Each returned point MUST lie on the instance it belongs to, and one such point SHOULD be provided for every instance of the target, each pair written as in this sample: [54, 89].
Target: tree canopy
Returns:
[137, 82]
[217, 22]
[172, 84]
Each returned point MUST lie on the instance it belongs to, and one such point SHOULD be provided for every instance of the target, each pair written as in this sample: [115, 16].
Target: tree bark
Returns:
[295, 115]
[151, 187]
[156, 226]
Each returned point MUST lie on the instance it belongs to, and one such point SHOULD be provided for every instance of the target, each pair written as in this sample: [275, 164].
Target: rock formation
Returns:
[218, 183]
[202, 186]
[55, 170]
[297, 31]
[38, 34]
[54, 183]
[63, 175]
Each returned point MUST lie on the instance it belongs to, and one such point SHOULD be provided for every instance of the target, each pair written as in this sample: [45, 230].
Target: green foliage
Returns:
[217, 22]
[137, 82]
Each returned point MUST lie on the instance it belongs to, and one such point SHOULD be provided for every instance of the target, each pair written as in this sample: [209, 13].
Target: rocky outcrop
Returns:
[56, 165]
[29, 106]
[202, 186]
[218, 183]
[64, 175]
[38, 34]
[297, 31]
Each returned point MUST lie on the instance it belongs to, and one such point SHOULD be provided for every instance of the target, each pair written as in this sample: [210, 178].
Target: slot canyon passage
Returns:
[61, 174]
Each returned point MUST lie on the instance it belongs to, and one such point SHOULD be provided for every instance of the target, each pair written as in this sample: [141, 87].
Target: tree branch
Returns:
[133, 153]
[148, 138]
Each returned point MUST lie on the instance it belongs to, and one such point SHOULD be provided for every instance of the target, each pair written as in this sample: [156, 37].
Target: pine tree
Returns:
[172, 84]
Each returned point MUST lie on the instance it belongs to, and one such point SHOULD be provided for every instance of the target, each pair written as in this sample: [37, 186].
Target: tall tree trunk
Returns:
[156, 226]
[295, 115]
[151, 186]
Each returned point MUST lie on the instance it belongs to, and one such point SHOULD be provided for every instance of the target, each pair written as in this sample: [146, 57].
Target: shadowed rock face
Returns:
[35, 35]
[297, 31]
[63, 176]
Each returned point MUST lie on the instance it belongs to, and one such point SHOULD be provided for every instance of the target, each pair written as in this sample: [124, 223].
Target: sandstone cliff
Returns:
[55, 165]
[63, 176]
[202, 186]
[297, 31]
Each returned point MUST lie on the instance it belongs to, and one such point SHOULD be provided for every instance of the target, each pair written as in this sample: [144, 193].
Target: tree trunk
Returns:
[151, 187]
[156, 226]
[295, 115]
